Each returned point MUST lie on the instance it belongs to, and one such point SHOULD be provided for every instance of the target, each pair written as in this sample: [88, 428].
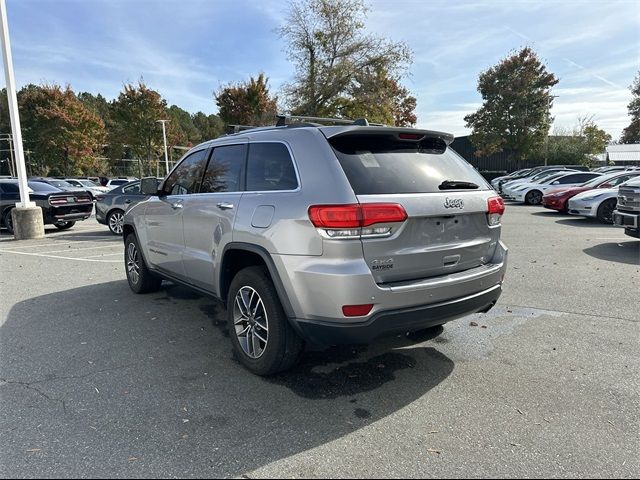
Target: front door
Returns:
[164, 214]
[208, 217]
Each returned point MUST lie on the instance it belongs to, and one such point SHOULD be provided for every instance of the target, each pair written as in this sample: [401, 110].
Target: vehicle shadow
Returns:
[621, 252]
[551, 214]
[148, 385]
[584, 222]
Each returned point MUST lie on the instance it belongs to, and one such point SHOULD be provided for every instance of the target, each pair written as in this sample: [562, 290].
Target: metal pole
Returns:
[164, 137]
[12, 99]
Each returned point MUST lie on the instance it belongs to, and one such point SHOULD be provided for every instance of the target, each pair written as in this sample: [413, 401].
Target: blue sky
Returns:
[188, 48]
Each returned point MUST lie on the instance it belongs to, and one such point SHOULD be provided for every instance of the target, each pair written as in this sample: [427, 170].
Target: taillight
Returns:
[495, 210]
[57, 201]
[356, 310]
[356, 220]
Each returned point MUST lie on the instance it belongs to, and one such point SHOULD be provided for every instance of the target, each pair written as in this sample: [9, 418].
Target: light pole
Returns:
[164, 137]
[26, 217]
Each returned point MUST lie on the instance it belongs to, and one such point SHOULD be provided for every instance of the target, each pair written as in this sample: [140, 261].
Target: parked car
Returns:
[507, 188]
[59, 208]
[117, 182]
[91, 187]
[558, 199]
[532, 193]
[58, 183]
[324, 234]
[537, 171]
[495, 183]
[627, 213]
[600, 203]
[111, 206]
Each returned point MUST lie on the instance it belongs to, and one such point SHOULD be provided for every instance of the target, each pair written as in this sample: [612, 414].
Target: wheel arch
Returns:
[239, 255]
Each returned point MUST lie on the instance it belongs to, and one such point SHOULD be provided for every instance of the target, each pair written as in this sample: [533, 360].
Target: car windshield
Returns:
[60, 184]
[553, 177]
[42, 187]
[599, 180]
[87, 183]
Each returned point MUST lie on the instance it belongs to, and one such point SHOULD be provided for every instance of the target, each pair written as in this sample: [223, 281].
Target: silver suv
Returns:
[321, 234]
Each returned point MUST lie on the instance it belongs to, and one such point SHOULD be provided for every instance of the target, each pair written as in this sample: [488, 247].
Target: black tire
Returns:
[7, 220]
[144, 281]
[534, 197]
[64, 225]
[114, 221]
[283, 346]
[605, 210]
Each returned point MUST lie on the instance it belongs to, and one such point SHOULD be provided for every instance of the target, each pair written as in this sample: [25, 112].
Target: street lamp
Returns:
[164, 137]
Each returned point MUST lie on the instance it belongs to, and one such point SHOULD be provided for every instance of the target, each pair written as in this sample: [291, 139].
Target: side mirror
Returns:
[556, 183]
[149, 186]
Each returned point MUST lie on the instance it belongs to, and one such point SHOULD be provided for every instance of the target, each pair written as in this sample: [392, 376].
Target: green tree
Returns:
[209, 126]
[135, 114]
[514, 115]
[64, 135]
[337, 63]
[631, 134]
[248, 103]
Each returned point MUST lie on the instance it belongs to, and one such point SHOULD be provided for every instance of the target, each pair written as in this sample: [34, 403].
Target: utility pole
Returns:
[164, 137]
[26, 217]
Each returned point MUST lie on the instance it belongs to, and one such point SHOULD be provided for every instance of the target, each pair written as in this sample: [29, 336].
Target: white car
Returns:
[539, 177]
[508, 192]
[532, 193]
[93, 188]
[599, 203]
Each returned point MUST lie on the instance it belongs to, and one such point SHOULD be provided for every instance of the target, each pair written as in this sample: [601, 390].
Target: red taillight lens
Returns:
[410, 136]
[355, 215]
[496, 205]
[356, 310]
[57, 201]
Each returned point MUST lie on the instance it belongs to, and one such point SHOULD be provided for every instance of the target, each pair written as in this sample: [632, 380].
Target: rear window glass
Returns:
[42, 187]
[380, 164]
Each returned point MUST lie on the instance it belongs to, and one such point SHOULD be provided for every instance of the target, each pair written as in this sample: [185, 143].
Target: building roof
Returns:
[624, 153]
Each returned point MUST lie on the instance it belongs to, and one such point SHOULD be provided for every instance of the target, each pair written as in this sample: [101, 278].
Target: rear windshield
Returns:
[377, 164]
[43, 187]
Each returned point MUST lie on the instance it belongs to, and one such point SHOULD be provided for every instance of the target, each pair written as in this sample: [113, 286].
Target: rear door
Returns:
[444, 197]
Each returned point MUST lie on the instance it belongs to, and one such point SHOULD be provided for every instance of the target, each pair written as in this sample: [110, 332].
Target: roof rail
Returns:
[239, 128]
[284, 120]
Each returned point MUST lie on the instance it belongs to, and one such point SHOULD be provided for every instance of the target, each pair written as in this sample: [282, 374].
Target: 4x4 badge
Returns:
[453, 203]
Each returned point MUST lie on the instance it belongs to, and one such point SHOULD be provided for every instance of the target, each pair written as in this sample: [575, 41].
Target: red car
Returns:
[558, 198]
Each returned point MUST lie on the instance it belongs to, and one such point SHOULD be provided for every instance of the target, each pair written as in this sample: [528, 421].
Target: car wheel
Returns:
[7, 220]
[64, 225]
[140, 279]
[534, 197]
[115, 221]
[263, 339]
[605, 210]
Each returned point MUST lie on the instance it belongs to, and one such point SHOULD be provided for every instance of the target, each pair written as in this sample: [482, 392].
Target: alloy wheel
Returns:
[116, 221]
[251, 322]
[133, 263]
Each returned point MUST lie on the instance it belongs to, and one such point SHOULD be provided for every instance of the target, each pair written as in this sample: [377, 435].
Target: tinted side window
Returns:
[224, 169]
[270, 167]
[583, 177]
[621, 179]
[185, 179]
[9, 188]
[132, 189]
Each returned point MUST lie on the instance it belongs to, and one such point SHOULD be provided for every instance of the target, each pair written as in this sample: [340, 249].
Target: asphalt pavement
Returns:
[98, 382]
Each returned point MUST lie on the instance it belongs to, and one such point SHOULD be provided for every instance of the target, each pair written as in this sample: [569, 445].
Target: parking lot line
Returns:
[31, 254]
[70, 250]
[104, 255]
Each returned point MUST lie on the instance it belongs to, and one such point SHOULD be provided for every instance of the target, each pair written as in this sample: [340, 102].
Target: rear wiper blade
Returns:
[457, 184]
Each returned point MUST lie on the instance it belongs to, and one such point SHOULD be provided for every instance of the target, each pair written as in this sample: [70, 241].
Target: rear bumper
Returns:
[81, 213]
[397, 321]
[629, 221]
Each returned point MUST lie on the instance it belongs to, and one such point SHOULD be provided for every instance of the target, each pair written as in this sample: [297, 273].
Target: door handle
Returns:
[177, 205]
[224, 206]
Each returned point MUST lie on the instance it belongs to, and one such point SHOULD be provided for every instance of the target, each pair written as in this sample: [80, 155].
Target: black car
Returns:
[59, 208]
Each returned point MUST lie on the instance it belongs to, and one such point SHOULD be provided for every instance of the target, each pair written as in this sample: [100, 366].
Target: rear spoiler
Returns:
[410, 133]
